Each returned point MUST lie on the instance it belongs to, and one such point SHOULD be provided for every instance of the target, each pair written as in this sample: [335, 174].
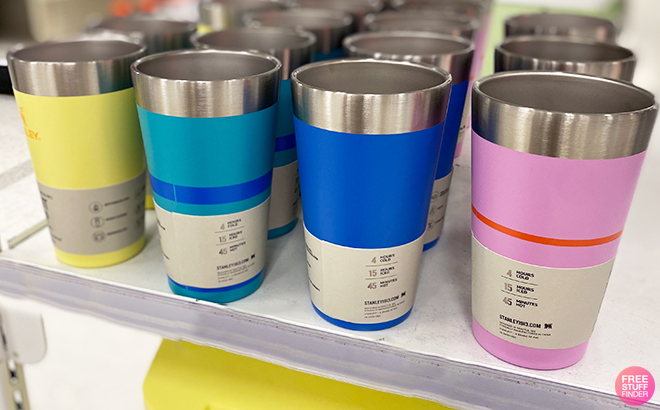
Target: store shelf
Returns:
[431, 355]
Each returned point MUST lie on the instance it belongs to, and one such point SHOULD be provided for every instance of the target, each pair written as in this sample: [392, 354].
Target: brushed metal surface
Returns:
[553, 53]
[159, 35]
[561, 25]
[73, 68]
[563, 115]
[358, 9]
[472, 8]
[294, 48]
[364, 96]
[330, 27]
[224, 14]
[450, 53]
[423, 20]
[206, 83]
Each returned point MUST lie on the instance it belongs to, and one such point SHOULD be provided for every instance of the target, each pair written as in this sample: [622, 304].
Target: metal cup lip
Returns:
[181, 84]
[562, 21]
[135, 67]
[307, 39]
[208, 7]
[337, 19]
[471, 8]
[68, 68]
[297, 73]
[563, 115]
[351, 43]
[145, 25]
[507, 48]
[365, 100]
[347, 6]
[650, 103]
[401, 21]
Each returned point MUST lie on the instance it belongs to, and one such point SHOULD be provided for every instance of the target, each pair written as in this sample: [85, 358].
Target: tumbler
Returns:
[454, 55]
[77, 104]
[223, 14]
[414, 20]
[555, 160]
[358, 9]
[293, 49]
[574, 55]
[330, 27]
[571, 25]
[159, 35]
[475, 9]
[368, 134]
[208, 123]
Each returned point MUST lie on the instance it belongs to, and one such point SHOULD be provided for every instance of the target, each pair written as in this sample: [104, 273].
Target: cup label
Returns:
[95, 221]
[213, 252]
[363, 286]
[534, 306]
[285, 196]
[437, 209]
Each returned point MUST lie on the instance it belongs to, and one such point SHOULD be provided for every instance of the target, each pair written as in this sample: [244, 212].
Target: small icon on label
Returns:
[96, 207]
[434, 196]
[97, 222]
[432, 211]
[548, 326]
[253, 256]
[98, 236]
[429, 225]
[138, 224]
[139, 207]
[403, 294]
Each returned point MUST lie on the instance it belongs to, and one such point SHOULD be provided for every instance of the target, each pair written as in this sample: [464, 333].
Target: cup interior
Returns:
[205, 66]
[144, 25]
[370, 77]
[563, 93]
[258, 39]
[77, 51]
[309, 19]
[560, 21]
[560, 50]
[409, 45]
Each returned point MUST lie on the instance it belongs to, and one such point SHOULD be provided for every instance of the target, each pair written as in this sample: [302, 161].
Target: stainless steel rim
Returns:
[561, 25]
[206, 83]
[365, 96]
[222, 14]
[553, 53]
[563, 115]
[73, 68]
[358, 9]
[294, 48]
[158, 34]
[475, 9]
[418, 20]
[330, 27]
[450, 53]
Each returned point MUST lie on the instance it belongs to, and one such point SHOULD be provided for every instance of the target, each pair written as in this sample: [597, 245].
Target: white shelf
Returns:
[431, 355]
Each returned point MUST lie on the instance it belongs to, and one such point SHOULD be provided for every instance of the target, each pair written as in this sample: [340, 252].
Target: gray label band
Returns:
[95, 221]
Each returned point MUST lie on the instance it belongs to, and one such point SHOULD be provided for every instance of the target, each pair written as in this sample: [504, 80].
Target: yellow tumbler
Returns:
[77, 104]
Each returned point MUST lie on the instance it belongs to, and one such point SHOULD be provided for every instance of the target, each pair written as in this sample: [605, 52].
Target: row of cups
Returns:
[225, 132]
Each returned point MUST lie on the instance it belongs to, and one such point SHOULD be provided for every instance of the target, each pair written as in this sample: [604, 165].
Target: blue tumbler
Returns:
[368, 134]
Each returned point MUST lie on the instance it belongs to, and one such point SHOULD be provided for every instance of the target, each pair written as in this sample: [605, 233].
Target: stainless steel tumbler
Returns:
[416, 20]
[368, 134]
[159, 35]
[208, 122]
[555, 160]
[450, 53]
[551, 53]
[293, 49]
[571, 25]
[77, 104]
[330, 27]
[223, 14]
[358, 9]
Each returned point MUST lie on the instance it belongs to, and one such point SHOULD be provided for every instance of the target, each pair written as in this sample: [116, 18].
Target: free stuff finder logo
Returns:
[635, 386]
